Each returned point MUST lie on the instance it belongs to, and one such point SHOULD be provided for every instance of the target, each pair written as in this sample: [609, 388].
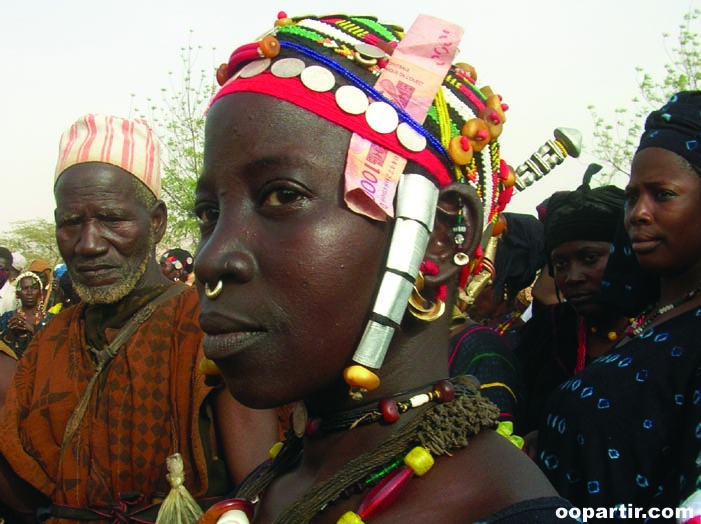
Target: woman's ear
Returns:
[459, 213]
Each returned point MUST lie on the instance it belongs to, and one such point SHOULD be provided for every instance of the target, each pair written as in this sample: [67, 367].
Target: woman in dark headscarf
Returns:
[559, 340]
[627, 429]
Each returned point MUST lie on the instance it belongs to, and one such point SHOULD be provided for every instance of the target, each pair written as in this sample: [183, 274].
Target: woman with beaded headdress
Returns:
[625, 431]
[19, 326]
[349, 173]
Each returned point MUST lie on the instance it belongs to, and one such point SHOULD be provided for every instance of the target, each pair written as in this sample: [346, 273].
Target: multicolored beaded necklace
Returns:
[384, 470]
[646, 318]
[508, 321]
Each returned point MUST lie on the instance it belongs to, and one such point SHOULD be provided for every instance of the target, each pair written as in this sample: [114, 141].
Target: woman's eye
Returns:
[664, 194]
[281, 197]
[206, 214]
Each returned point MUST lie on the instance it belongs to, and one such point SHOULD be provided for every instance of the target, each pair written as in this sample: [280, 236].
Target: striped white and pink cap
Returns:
[129, 144]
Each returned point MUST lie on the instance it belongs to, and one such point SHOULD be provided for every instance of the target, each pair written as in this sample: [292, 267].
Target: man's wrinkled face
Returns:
[104, 233]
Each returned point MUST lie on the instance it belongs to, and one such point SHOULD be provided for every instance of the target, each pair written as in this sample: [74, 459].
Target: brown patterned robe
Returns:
[126, 434]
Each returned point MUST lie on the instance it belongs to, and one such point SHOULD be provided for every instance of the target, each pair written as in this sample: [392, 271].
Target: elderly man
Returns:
[111, 387]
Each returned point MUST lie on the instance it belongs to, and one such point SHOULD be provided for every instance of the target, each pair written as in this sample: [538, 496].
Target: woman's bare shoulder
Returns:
[487, 476]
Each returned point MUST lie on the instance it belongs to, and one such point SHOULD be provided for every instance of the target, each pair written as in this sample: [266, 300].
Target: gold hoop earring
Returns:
[421, 308]
[211, 294]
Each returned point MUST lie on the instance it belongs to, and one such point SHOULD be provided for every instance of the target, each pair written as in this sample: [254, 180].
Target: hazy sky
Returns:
[549, 59]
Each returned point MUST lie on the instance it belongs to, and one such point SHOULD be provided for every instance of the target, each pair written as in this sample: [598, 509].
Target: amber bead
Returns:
[510, 179]
[460, 150]
[477, 131]
[390, 411]
[269, 46]
[499, 225]
[222, 74]
[361, 377]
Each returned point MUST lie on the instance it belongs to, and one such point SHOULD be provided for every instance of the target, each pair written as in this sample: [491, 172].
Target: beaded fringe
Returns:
[440, 428]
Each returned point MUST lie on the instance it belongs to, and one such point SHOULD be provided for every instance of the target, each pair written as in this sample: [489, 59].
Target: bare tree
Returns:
[615, 142]
[177, 118]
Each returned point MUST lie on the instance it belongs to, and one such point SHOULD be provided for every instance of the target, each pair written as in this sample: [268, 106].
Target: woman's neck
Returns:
[675, 287]
[30, 311]
[608, 321]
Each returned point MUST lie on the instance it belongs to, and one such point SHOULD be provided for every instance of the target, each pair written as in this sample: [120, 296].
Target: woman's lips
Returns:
[644, 245]
[224, 345]
[579, 298]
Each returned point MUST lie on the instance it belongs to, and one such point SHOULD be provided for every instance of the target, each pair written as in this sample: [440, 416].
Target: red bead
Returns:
[445, 390]
[390, 411]
[211, 516]
[386, 492]
[313, 427]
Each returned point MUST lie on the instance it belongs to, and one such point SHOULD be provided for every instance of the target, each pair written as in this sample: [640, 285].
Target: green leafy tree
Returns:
[177, 118]
[615, 142]
[35, 239]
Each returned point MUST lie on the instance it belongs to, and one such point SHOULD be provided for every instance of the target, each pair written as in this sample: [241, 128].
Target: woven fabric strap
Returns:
[105, 356]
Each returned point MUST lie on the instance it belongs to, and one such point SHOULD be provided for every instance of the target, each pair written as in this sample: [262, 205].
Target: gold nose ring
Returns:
[211, 294]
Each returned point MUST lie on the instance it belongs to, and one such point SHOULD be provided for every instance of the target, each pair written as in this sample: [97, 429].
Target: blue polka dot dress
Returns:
[627, 428]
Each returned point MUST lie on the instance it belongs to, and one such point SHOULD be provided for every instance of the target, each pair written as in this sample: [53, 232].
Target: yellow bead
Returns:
[207, 367]
[275, 450]
[358, 376]
[420, 460]
[350, 517]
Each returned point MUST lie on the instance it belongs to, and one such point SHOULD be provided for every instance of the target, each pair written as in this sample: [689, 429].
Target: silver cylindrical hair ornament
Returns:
[373, 346]
[417, 198]
[392, 297]
[408, 235]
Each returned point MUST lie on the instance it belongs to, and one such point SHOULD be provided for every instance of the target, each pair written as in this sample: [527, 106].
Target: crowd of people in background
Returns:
[324, 344]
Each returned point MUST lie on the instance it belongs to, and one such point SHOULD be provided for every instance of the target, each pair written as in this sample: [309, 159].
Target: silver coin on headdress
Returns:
[352, 100]
[288, 68]
[318, 78]
[369, 50]
[254, 68]
[410, 138]
[381, 117]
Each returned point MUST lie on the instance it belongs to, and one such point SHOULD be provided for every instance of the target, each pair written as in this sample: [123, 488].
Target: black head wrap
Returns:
[520, 253]
[676, 127]
[583, 214]
[6, 253]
